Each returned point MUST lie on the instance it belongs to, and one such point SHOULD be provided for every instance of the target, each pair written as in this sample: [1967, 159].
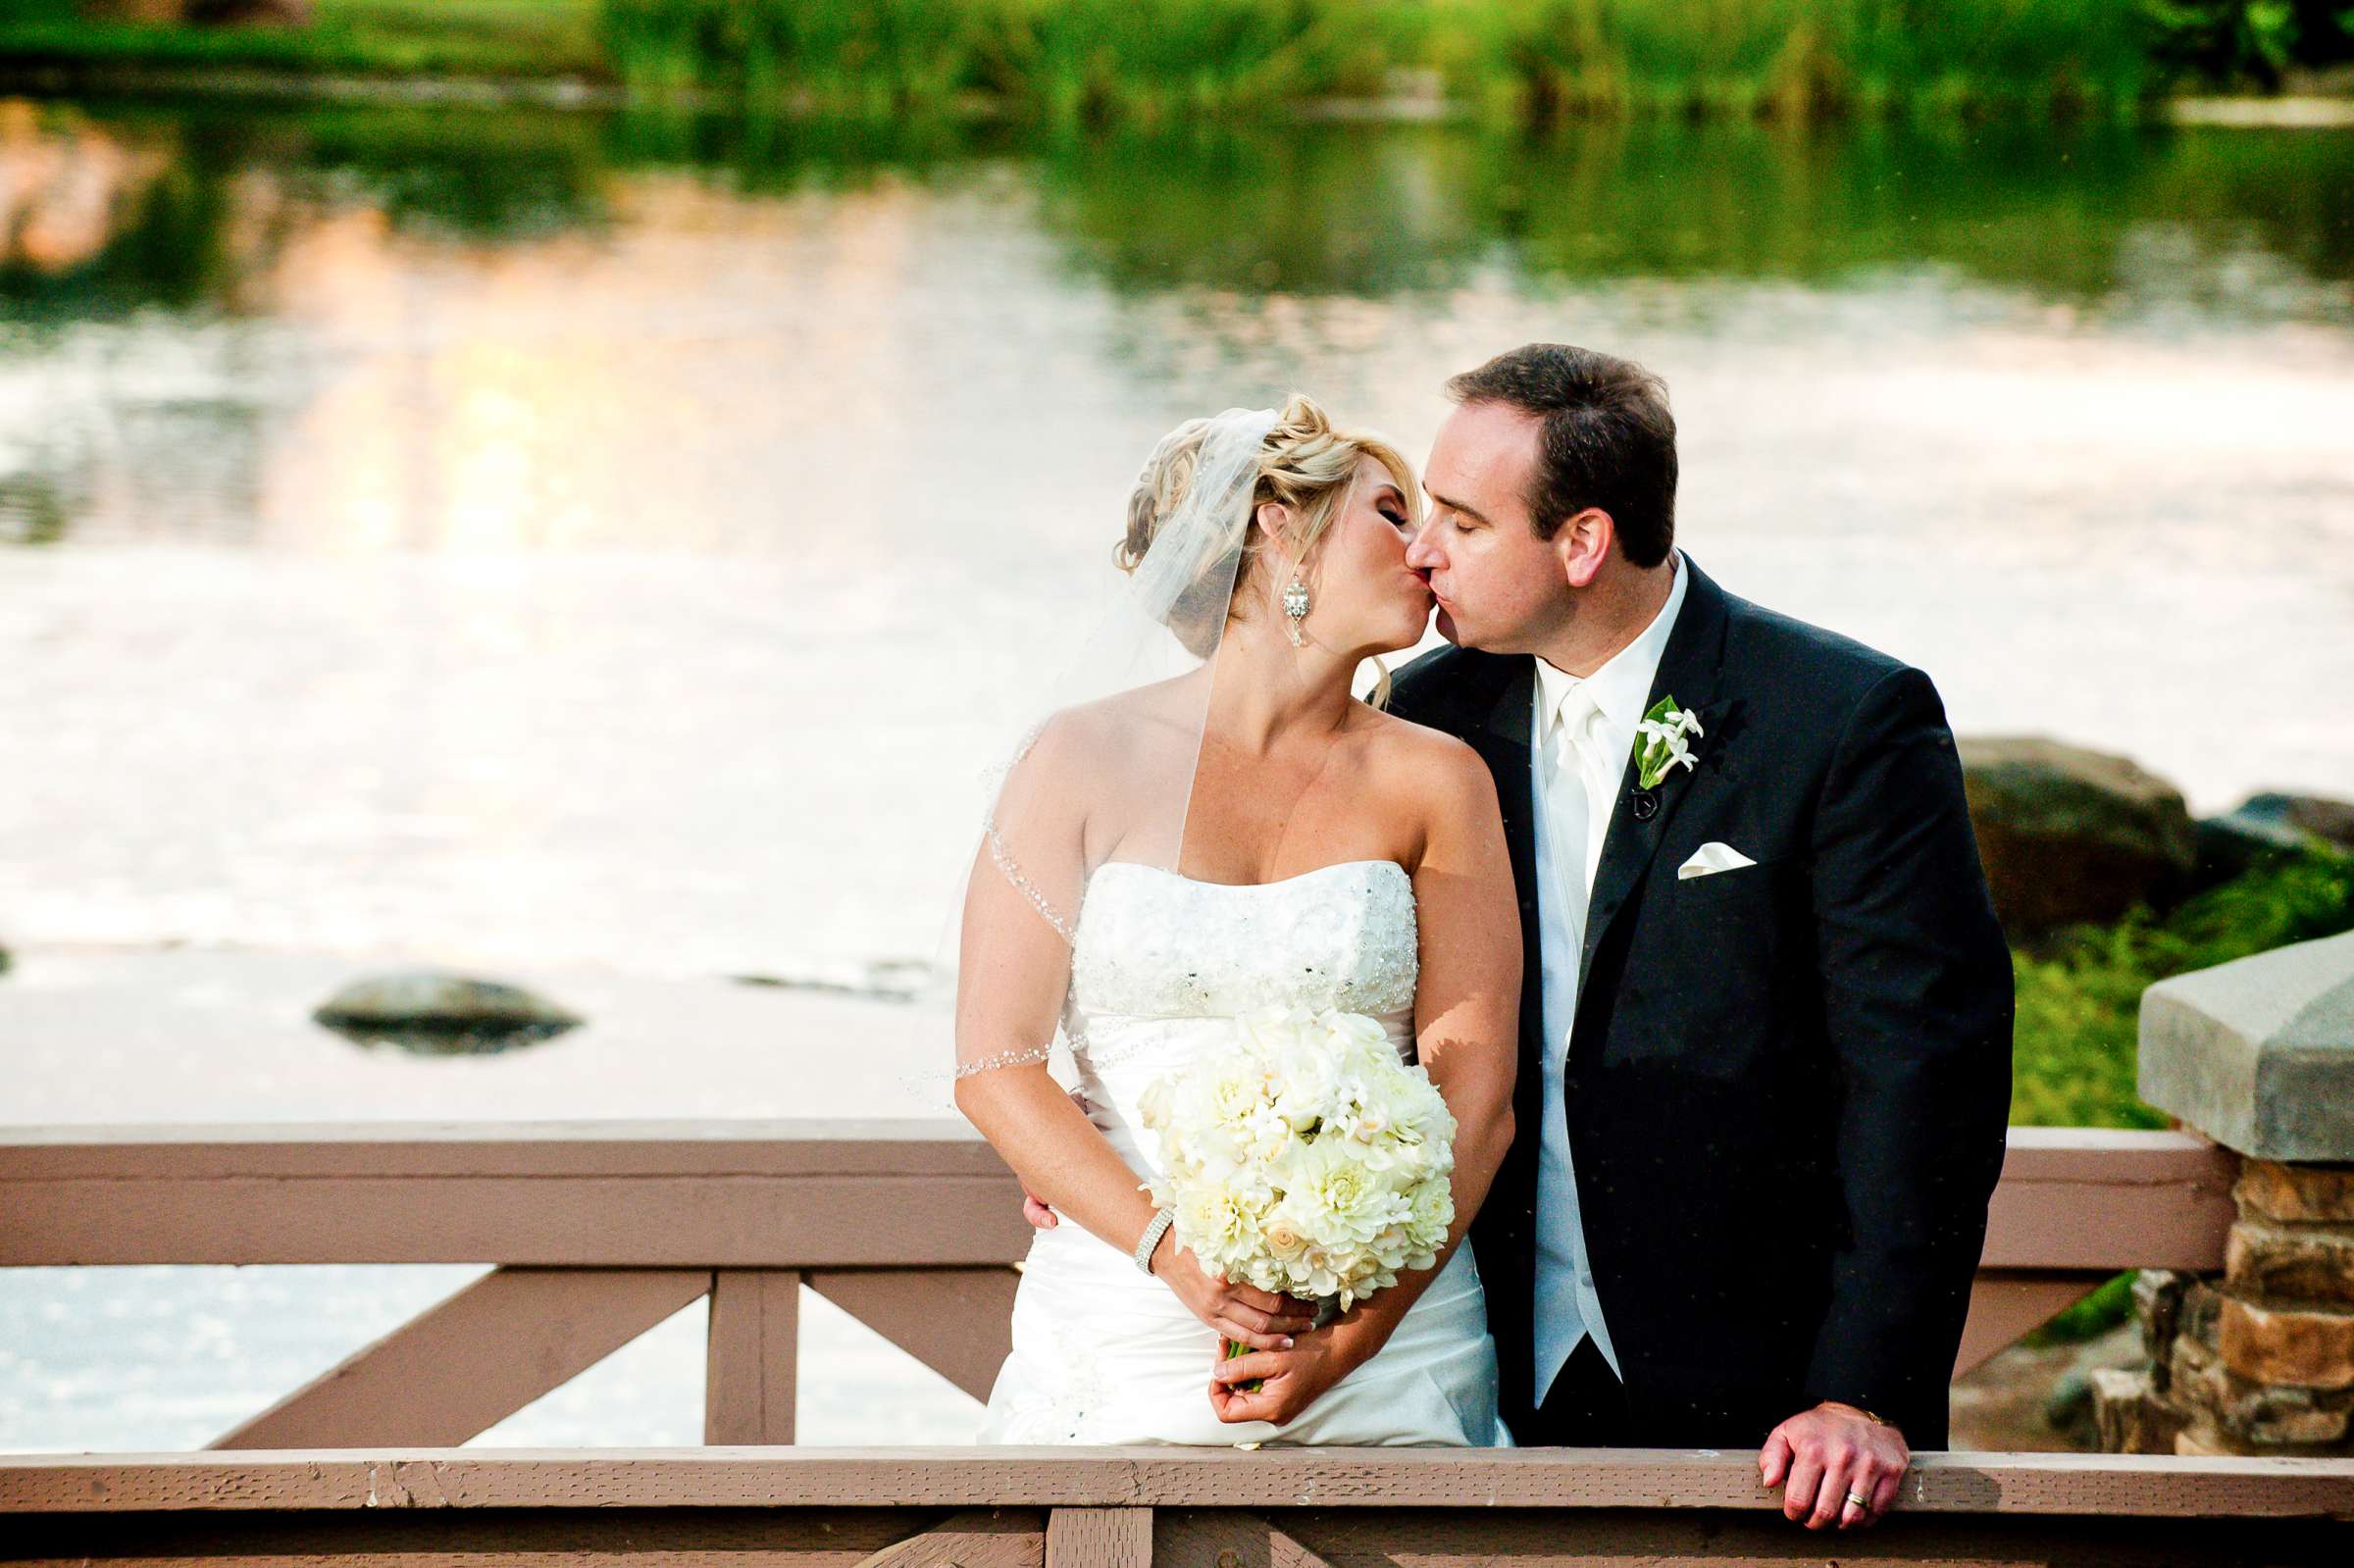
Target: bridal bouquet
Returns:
[1303, 1157]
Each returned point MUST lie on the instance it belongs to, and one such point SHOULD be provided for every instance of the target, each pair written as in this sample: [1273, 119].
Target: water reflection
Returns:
[111, 209]
[511, 532]
[375, 326]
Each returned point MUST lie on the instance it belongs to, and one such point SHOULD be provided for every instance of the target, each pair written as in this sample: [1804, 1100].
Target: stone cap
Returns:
[2259, 1053]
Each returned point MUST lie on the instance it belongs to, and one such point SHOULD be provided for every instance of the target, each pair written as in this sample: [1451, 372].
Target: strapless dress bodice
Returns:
[1152, 944]
[1161, 965]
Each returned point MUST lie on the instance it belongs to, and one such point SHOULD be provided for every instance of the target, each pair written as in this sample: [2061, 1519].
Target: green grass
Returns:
[1522, 58]
[1147, 61]
[2109, 1304]
[514, 39]
[1799, 59]
[2078, 1009]
[1059, 60]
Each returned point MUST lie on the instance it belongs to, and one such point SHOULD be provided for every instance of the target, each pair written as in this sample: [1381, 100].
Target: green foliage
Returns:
[374, 37]
[2225, 42]
[2078, 1011]
[1093, 60]
[1090, 61]
[1062, 60]
[1802, 59]
[2240, 43]
[2109, 1304]
[2079, 1008]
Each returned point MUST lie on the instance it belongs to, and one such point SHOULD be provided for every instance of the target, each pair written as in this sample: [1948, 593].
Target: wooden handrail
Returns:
[802, 1194]
[2053, 1483]
[599, 1230]
[1147, 1508]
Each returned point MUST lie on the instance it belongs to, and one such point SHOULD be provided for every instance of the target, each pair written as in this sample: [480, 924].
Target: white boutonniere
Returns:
[1660, 740]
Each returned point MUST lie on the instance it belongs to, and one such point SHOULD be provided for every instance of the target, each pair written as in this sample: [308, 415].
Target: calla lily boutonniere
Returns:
[1660, 740]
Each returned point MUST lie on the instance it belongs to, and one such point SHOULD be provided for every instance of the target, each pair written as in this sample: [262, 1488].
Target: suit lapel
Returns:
[1691, 668]
[1499, 729]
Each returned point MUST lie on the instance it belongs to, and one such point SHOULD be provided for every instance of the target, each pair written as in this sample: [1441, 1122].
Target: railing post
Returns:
[1099, 1538]
[753, 1357]
[2258, 1055]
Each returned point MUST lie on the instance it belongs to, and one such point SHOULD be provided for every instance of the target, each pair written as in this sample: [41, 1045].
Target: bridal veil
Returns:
[1104, 763]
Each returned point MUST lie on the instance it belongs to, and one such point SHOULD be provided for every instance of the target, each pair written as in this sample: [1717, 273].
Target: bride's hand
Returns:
[1260, 1319]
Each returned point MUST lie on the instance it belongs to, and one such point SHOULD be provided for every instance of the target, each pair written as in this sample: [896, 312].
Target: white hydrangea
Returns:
[1305, 1157]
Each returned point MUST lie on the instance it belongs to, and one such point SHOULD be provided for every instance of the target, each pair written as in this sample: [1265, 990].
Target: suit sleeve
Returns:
[1917, 1007]
[1407, 698]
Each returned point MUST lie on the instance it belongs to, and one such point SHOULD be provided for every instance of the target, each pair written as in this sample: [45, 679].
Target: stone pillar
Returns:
[2258, 1055]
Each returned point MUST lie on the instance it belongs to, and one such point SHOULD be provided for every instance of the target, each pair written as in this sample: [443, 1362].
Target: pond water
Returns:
[534, 538]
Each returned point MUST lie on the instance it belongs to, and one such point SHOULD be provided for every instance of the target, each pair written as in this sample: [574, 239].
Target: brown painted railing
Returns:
[1148, 1508]
[601, 1229]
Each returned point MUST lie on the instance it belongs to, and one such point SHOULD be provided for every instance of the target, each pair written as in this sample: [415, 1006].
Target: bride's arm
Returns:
[1466, 1025]
[1468, 999]
[1012, 971]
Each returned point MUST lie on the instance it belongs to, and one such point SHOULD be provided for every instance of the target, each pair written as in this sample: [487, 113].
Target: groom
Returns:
[1765, 1023]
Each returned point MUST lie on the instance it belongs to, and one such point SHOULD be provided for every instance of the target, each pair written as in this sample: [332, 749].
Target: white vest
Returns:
[1569, 785]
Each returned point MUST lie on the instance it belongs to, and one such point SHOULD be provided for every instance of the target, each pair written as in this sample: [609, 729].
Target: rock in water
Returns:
[2073, 836]
[2269, 825]
[441, 1014]
[2067, 1410]
[2303, 816]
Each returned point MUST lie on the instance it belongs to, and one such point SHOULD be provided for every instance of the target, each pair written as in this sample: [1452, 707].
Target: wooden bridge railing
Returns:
[1147, 1508]
[599, 1231]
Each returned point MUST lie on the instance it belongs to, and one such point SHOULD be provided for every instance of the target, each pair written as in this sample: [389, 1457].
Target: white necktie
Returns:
[1569, 793]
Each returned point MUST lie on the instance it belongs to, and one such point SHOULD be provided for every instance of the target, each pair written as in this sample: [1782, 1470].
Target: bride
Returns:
[1205, 823]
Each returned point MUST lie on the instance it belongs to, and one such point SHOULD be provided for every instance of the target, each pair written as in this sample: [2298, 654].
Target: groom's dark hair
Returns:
[1604, 440]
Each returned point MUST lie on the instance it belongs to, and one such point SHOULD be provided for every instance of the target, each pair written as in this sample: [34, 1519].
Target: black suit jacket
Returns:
[1789, 1082]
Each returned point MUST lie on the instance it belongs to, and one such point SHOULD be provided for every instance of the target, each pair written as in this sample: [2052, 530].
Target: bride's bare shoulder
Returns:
[1429, 770]
[1162, 712]
[1415, 747]
[1090, 738]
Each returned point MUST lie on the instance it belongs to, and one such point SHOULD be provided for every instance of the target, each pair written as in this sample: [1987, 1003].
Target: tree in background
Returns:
[2232, 43]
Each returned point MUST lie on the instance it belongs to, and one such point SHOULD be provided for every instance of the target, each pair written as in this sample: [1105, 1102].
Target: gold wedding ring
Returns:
[1859, 1500]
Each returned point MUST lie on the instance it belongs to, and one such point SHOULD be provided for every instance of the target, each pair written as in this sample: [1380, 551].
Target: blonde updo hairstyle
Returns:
[1303, 464]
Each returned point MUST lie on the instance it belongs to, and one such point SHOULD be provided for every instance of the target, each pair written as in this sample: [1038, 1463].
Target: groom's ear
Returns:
[1582, 543]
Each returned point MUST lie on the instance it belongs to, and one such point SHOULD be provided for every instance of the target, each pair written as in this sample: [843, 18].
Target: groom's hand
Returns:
[1830, 1456]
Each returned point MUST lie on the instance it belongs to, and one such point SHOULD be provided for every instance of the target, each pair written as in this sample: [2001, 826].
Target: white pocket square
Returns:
[1709, 858]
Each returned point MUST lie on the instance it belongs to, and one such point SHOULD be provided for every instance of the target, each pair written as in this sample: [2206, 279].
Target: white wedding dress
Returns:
[1103, 1353]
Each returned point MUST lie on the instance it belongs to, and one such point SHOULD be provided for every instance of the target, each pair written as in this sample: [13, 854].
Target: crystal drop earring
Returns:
[1295, 610]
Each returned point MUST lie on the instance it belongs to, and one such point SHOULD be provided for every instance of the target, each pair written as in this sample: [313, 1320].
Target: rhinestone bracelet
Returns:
[1161, 1220]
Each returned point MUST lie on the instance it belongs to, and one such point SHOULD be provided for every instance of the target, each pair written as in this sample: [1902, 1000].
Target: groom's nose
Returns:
[1422, 551]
